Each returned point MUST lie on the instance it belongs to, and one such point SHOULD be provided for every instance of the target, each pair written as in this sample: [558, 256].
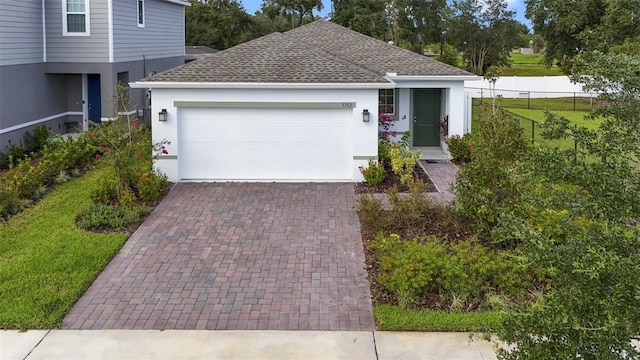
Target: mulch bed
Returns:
[391, 180]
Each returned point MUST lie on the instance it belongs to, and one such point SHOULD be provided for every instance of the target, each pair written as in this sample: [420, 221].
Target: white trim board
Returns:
[39, 121]
[242, 85]
[44, 32]
[110, 25]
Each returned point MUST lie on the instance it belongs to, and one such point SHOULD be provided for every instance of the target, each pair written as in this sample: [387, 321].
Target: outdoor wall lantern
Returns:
[162, 115]
[365, 115]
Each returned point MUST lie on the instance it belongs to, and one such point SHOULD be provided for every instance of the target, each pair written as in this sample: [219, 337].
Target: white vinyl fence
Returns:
[527, 87]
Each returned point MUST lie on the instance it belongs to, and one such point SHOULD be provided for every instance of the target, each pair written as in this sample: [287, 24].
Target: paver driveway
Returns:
[237, 256]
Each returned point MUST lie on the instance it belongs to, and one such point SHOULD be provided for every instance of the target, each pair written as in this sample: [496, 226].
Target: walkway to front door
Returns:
[237, 256]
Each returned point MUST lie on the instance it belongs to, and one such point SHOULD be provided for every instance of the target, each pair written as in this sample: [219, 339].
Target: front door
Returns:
[94, 99]
[426, 117]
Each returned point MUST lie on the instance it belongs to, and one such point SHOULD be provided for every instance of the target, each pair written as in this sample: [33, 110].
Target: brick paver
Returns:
[237, 256]
[443, 174]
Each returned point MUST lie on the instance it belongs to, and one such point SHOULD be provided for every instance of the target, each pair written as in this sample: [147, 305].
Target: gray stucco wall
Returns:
[93, 48]
[20, 32]
[162, 36]
[28, 94]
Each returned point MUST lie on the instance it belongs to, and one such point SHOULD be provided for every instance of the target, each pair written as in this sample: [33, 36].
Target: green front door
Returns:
[426, 117]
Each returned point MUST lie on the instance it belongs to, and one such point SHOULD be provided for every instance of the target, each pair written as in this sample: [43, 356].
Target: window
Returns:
[75, 17]
[386, 101]
[140, 13]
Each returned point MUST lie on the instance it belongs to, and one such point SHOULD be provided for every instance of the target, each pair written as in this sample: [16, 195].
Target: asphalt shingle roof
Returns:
[319, 52]
[274, 58]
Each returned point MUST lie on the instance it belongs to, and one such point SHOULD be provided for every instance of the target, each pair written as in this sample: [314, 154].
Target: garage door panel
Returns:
[265, 144]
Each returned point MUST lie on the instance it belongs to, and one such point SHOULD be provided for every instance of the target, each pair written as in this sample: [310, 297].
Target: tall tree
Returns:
[298, 11]
[571, 27]
[364, 16]
[485, 31]
[416, 22]
[219, 24]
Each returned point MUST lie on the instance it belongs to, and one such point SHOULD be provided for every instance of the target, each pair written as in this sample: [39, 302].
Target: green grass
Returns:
[395, 318]
[526, 59]
[529, 65]
[576, 117]
[46, 262]
[566, 103]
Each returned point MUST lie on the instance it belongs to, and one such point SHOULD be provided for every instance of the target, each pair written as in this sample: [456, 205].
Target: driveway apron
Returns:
[237, 256]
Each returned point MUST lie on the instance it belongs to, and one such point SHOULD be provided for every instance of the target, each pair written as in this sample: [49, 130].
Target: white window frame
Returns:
[87, 20]
[138, 3]
[394, 98]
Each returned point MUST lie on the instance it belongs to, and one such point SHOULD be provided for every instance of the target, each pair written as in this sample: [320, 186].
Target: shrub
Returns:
[460, 147]
[105, 192]
[403, 161]
[462, 274]
[374, 173]
[100, 216]
[10, 202]
[25, 179]
[36, 142]
[151, 185]
[488, 187]
[383, 151]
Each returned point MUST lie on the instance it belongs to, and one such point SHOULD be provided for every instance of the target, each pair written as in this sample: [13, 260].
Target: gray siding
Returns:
[20, 32]
[94, 48]
[162, 36]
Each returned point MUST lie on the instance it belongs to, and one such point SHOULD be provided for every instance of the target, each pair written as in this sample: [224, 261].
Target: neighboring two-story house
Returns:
[60, 60]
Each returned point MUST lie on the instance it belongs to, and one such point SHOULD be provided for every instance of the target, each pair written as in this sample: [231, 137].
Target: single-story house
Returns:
[302, 105]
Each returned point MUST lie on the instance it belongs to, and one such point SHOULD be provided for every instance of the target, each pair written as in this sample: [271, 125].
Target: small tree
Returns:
[582, 228]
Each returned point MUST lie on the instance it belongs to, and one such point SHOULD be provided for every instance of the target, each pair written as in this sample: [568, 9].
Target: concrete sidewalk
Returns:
[232, 344]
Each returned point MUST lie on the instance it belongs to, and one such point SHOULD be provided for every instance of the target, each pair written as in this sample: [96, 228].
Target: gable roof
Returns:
[317, 53]
[274, 58]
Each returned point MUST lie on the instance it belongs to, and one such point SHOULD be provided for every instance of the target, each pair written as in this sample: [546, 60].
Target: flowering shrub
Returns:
[460, 147]
[151, 185]
[374, 173]
[385, 123]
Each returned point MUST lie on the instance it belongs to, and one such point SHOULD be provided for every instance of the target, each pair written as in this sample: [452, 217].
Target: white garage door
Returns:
[265, 144]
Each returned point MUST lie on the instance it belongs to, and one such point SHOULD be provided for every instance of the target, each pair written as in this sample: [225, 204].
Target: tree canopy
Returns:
[484, 31]
[572, 27]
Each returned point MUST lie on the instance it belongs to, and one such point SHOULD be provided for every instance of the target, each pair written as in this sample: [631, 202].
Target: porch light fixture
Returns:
[162, 115]
[365, 115]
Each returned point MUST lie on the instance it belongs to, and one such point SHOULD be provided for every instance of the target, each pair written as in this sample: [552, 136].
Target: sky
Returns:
[251, 6]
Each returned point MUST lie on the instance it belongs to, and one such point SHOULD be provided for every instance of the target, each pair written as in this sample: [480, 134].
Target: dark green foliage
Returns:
[364, 16]
[460, 147]
[487, 187]
[100, 216]
[572, 27]
[216, 24]
[462, 273]
[36, 142]
[577, 221]
[484, 32]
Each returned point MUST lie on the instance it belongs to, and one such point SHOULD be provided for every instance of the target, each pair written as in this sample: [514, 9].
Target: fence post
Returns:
[575, 150]
[529, 100]
[533, 131]
[574, 101]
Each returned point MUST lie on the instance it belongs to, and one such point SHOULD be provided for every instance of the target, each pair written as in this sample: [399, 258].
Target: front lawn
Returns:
[46, 262]
[396, 318]
[529, 65]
